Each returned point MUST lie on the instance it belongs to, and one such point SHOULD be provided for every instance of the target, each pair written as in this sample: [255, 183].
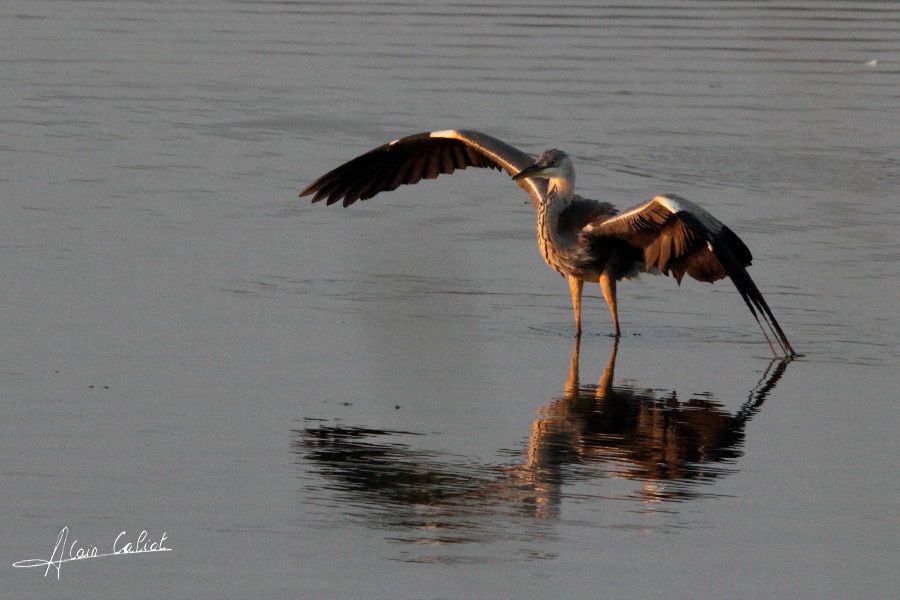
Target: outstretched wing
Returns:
[421, 156]
[676, 237]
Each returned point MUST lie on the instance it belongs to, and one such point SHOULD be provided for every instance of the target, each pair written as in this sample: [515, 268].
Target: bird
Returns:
[584, 240]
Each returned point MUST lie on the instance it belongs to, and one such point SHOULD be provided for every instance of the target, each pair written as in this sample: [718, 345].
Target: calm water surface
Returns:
[385, 401]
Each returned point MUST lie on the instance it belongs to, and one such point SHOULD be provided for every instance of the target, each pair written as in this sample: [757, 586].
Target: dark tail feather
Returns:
[752, 296]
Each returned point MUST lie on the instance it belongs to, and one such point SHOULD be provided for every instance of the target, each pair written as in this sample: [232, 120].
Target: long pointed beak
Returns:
[534, 169]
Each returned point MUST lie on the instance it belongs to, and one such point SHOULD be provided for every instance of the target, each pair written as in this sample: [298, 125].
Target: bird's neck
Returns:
[552, 244]
[561, 187]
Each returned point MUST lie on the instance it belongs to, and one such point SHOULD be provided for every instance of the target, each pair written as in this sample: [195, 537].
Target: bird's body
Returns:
[560, 227]
[582, 239]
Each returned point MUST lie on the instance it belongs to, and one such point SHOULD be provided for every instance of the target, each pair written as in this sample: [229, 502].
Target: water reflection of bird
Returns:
[671, 448]
[639, 434]
[584, 240]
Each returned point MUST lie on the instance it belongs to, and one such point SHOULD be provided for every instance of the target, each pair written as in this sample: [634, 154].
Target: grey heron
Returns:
[582, 239]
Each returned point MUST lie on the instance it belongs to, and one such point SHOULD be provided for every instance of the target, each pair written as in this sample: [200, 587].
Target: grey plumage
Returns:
[584, 240]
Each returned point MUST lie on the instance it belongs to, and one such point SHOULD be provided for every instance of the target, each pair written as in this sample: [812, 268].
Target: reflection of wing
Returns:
[421, 156]
[377, 469]
[676, 237]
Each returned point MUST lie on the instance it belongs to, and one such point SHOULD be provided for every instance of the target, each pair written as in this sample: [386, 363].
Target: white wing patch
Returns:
[672, 205]
[446, 133]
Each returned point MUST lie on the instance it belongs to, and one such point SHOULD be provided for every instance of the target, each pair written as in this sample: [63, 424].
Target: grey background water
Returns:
[373, 402]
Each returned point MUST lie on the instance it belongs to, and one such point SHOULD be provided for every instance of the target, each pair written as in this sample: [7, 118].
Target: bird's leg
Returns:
[608, 287]
[575, 286]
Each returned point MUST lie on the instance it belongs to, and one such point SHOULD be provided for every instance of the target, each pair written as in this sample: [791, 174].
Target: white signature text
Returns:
[64, 552]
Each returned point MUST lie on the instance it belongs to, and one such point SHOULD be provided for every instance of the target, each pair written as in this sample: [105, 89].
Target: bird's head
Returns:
[553, 165]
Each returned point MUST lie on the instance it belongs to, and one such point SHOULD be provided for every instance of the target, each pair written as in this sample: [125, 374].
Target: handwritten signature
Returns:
[121, 547]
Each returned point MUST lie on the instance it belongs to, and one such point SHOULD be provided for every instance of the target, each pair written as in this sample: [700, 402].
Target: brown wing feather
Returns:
[416, 157]
[674, 242]
[702, 265]
[388, 167]
[678, 237]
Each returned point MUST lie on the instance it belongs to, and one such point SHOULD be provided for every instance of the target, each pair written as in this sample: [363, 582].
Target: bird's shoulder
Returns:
[582, 212]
